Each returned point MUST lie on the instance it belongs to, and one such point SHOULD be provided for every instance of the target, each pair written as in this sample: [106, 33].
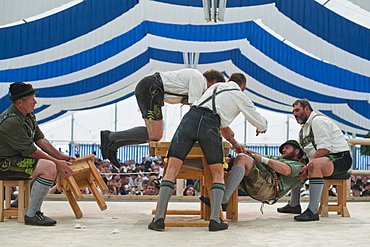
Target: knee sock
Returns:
[39, 190]
[136, 135]
[233, 180]
[316, 186]
[294, 196]
[217, 192]
[165, 193]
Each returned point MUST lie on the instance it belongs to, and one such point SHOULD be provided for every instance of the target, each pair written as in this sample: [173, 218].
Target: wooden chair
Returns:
[340, 181]
[195, 167]
[85, 175]
[23, 198]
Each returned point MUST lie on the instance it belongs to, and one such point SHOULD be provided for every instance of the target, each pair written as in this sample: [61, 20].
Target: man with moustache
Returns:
[19, 156]
[265, 187]
[328, 153]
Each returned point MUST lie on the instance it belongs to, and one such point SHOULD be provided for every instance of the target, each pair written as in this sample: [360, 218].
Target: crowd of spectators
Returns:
[134, 178]
[360, 185]
[144, 178]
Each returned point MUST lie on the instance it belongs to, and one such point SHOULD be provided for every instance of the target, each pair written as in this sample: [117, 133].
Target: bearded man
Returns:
[267, 182]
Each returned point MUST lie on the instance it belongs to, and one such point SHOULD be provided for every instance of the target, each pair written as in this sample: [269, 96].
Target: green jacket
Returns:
[289, 182]
[18, 133]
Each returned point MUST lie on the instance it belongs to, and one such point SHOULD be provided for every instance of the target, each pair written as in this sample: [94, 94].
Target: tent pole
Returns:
[115, 116]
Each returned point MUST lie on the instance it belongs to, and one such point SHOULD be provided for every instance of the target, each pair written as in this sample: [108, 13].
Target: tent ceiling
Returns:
[81, 59]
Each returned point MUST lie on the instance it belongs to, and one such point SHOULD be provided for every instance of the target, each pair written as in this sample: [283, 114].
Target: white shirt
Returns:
[326, 133]
[230, 103]
[184, 82]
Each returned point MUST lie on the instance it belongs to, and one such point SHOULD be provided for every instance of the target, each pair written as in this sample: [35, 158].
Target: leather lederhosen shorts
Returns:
[149, 95]
[198, 124]
[17, 166]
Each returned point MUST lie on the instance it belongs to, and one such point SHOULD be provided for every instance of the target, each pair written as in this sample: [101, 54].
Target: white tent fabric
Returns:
[81, 58]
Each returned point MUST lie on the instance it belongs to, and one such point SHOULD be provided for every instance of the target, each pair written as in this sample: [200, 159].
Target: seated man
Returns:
[245, 173]
[20, 158]
[327, 150]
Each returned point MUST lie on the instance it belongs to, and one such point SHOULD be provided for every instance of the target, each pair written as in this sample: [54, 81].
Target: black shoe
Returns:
[105, 143]
[207, 202]
[224, 206]
[307, 216]
[214, 226]
[157, 225]
[39, 220]
[112, 156]
[290, 210]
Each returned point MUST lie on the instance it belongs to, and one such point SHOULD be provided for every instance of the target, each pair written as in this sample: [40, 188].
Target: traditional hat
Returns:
[19, 90]
[294, 143]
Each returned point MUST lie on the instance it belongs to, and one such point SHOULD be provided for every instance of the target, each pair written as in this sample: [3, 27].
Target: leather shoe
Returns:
[290, 210]
[112, 156]
[215, 226]
[207, 202]
[105, 143]
[39, 220]
[157, 225]
[307, 216]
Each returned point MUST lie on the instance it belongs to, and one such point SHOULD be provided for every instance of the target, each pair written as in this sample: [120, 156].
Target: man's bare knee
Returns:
[155, 130]
[45, 169]
[155, 137]
[217, 172]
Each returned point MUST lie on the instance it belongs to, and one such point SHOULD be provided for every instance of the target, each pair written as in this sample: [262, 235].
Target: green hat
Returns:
[20, 90]
[294, 143]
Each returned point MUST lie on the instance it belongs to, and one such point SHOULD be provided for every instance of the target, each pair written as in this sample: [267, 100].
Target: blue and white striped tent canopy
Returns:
[87, 54]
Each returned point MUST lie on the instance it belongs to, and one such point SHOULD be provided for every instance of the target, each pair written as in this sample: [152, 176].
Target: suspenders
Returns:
[213, 97]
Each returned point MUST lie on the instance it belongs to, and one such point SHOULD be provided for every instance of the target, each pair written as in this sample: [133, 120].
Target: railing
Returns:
[139, 152]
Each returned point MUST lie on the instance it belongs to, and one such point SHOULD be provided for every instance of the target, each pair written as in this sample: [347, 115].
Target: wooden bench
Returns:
[195, 167]
[85, 175]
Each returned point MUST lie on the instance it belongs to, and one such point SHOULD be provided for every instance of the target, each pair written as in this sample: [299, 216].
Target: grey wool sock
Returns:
[136, 135]
[233, 180]
[165, 193]
[316, 186]
[40, 189]
[217, 192]
[294, 196]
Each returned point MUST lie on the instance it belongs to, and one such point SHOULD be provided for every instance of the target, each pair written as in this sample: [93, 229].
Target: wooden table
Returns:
[195, 167]
[85, 175]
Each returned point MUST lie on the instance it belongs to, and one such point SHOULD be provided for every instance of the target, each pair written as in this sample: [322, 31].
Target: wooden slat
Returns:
[360, 172]
[180, 212]
[359, 141]
[187, 223]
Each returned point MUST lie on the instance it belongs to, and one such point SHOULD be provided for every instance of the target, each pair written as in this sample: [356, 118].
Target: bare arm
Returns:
[277, 166]
[320, 153]
[61, 164]
[228, 134]
[48, 148]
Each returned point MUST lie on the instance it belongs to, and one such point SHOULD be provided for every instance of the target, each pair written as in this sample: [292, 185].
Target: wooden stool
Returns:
[23, 198]
[340, 181]
[85, 175]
